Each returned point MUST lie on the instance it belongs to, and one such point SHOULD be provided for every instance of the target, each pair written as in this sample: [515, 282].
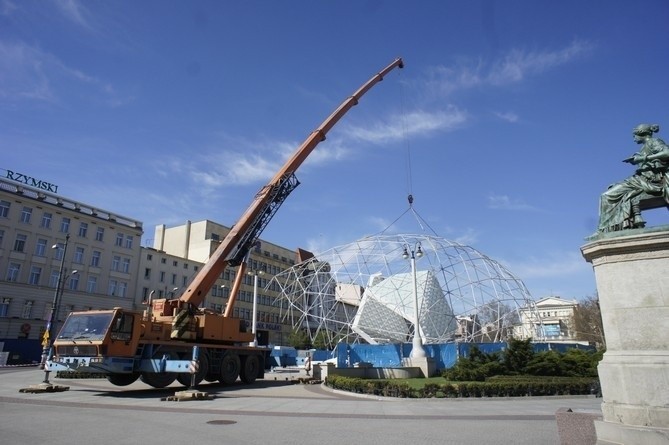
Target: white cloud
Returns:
[468, 237]
[513, 67]
[558, 264]
[7, 7]
[507, 116]
[27, 72]
[504, 202]
[517, 64]
[418, 122]
[23, 72]
[74, 11]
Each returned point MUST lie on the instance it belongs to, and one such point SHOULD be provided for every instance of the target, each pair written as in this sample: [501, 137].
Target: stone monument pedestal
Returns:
[632, 274]
[427, 365]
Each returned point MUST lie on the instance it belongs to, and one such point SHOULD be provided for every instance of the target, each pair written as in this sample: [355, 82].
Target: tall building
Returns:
[44, 236]
[195, 242]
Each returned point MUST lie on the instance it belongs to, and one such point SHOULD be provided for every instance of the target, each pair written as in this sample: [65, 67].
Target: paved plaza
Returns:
[276, 410]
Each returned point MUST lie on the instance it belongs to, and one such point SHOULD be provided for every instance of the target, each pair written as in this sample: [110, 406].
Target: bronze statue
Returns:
[620, 206]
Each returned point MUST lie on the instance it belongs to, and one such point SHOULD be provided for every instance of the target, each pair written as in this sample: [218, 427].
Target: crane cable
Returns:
[409, 174]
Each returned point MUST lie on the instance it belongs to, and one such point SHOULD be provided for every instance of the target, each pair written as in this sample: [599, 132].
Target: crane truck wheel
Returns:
[158, 380]
[230, 366]
[250, 368]
[203, 368]
[122, 379]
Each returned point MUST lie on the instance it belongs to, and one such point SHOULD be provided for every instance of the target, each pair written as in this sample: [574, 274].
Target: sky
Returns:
[508, 121]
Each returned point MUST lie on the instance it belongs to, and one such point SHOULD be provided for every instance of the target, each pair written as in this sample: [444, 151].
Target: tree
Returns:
[496, 320]
[518, 355]
[299, 339]
[321, 340]
[588, 322]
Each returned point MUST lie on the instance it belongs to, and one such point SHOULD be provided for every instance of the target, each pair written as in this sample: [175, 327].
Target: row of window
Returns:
[28, 311]
[65, 222]
[246, 314]
[71, 281]
[119, 263]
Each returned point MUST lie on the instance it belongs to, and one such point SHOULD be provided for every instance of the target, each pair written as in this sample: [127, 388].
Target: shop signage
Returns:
[33, 182]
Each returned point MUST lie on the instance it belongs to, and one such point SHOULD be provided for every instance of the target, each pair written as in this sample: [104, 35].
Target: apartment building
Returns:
[101, 264]
[44, 236]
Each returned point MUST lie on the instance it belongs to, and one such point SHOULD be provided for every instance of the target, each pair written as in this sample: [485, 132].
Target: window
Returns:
[100, 234]
[125, 265]
[163, 261]
[122, 289]
[27, 309]
[175, 263]
[92, 285]
[95, 258]
[2, 236]
[78, 255]
[128, 241]
[147, 273]
[20, 242]
[58, 251]
[4, 209]
[13, 271]
[174, 278]
[185, 265]
[46, 220]
[119, 239]
[162, 277]
[53, 279]
[184, 281]
[65, 225]
[113, 284]
[26, 213]
[40, 247]
[122, 327]
[149, 256]
[35, 273]
[74, 281]
[4, 306]
[83, 229]
[116, 263]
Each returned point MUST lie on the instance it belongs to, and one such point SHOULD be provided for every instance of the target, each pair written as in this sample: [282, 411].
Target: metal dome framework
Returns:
[362, 292]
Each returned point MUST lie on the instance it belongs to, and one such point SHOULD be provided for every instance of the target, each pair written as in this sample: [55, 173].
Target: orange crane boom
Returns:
[246, 231]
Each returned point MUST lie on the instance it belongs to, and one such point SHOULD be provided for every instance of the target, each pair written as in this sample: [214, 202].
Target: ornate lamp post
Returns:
[47, 342]
[255, 274]
[417, 351]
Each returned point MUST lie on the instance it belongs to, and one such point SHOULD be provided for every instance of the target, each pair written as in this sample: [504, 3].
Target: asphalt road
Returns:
[276, 410]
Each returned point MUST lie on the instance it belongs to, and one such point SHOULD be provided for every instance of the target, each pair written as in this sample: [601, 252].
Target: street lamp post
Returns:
[255, 274]
[47, 343]
[417, 351]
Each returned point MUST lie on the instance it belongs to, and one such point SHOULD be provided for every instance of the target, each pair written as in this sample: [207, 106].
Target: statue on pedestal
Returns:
[620, 206]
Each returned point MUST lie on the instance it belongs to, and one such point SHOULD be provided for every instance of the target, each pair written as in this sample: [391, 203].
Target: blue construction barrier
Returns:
[22, 351]
[445, 354]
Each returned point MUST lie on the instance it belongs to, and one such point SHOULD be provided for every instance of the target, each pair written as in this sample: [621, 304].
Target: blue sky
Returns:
[506, 124]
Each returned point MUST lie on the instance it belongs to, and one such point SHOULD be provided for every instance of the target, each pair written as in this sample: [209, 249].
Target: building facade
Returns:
[195, 242]
[549, 319]
[44, 237]
[97, 257]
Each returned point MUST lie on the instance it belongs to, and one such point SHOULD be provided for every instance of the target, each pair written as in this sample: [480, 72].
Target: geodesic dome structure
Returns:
[365, 292]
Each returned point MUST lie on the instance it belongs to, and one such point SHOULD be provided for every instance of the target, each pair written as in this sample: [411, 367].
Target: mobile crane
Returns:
[174, 339]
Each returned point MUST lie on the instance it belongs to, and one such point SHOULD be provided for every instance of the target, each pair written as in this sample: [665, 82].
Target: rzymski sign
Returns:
[32, 182]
